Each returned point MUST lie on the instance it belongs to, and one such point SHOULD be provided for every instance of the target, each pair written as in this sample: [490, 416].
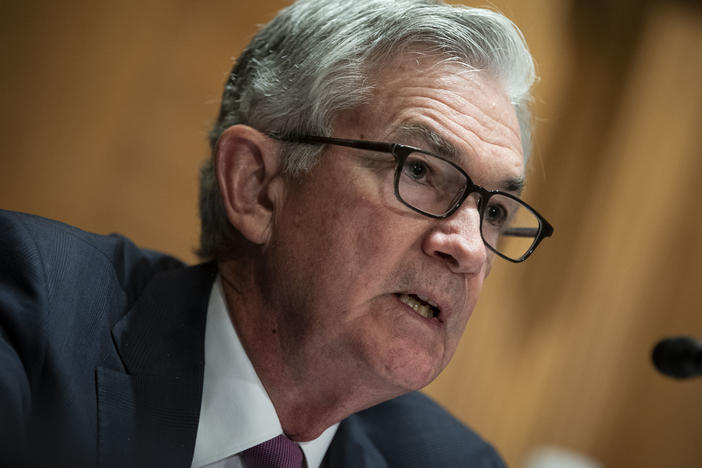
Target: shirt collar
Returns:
[236, 412]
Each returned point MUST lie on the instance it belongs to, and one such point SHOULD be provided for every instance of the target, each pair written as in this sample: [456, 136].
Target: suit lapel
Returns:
[149, 414]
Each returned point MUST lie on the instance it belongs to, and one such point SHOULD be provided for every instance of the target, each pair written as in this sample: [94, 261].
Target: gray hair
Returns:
[317, 57]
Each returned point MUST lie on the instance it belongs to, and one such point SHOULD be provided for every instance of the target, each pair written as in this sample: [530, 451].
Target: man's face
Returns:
[346, 257]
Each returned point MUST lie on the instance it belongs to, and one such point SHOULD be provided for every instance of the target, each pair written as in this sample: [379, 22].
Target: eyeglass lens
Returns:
[434, 186]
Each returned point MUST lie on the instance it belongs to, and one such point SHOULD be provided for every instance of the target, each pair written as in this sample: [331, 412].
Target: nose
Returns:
[456, 240]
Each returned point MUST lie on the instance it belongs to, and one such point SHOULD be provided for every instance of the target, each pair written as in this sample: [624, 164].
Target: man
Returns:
[365, 173]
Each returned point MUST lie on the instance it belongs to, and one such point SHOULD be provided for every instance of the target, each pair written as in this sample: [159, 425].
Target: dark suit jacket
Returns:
[102, 354]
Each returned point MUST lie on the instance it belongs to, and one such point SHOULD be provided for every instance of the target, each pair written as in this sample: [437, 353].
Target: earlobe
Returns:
[246, 163]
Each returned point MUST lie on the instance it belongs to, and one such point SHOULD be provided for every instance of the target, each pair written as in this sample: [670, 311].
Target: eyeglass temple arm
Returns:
[521, 232]
[359, 144]
[546, 231]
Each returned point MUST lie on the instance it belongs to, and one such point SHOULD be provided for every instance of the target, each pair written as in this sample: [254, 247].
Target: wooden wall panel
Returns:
[105, 112]
[106, 106]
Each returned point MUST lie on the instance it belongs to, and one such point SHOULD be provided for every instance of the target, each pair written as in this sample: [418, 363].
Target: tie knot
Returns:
[278, 452]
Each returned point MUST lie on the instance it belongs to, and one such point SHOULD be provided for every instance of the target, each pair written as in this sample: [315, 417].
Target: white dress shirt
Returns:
[236, 412]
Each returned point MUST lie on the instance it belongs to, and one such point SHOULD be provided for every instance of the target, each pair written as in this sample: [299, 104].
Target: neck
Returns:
[304, 380]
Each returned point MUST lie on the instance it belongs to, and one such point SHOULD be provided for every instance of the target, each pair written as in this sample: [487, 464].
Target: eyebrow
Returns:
[437, 143]
[441, 146]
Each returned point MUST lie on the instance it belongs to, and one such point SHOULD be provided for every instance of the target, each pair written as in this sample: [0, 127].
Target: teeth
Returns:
[422, 309]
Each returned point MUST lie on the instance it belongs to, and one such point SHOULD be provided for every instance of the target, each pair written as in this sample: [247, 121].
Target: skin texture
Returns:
[314, 292]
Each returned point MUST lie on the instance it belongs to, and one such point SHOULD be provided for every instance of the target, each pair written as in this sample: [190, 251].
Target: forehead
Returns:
[444, 107]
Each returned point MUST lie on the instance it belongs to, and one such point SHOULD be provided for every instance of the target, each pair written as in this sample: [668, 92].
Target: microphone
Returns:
[679, 357]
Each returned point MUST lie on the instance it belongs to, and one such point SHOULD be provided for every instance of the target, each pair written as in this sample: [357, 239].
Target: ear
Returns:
[247, 165]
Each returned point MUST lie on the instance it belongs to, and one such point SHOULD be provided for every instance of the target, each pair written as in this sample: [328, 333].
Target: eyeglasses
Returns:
[435, 187]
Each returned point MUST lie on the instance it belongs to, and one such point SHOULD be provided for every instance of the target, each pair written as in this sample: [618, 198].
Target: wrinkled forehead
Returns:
[443, 106]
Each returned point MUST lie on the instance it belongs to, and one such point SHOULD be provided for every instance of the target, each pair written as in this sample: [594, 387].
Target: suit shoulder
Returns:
[54, 274]
[413, 430]
[40, 242]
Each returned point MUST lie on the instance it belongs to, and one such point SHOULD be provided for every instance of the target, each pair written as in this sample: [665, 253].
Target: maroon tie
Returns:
[279, 452]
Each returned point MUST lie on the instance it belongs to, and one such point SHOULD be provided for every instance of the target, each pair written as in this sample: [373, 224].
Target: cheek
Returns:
[325, 240]
[356, 226]
[343, 235]
[361, 244]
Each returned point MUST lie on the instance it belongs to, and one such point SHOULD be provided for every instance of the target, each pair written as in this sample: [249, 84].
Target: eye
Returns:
[496, 214]
[416, 170]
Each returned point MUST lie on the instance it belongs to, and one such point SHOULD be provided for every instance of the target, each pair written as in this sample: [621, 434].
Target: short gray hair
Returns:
[317, 58]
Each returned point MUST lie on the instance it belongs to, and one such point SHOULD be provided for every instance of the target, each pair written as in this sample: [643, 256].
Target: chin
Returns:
[413, 374]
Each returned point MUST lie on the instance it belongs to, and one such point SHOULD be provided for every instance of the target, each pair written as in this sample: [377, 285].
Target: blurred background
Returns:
[105, 110]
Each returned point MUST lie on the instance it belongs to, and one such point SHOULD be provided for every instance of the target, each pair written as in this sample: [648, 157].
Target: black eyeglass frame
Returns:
[401, 153]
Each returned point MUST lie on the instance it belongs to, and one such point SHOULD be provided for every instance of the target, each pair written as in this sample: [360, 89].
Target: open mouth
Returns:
[420, 304]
